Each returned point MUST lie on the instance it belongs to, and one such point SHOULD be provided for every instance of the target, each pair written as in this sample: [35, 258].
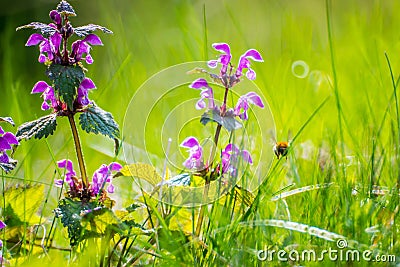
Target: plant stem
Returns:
[203, 208]
[78, 150]
[211, 160]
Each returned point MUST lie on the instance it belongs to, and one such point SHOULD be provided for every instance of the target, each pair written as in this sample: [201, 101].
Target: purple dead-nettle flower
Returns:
[6, 140]
[49, 46]
[195, 159]
[206, 93]
[81, 47]
[56, 17]
[49, 98]
[103, 176]
[86, 85]
[69, 173]
[224, 59]
[244, 104]
[230, 158]
[2, 224]
[244, 63]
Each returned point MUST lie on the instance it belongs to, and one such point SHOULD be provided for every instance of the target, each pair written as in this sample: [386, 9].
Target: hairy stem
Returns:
[78, 150]
[213, 150]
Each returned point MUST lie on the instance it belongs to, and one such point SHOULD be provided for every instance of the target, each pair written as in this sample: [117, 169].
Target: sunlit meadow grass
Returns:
[351, 143]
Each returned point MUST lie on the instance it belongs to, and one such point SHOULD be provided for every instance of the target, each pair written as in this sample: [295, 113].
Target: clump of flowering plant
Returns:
[102, 178]
[226, 164]
[224, 116]
[65, 93]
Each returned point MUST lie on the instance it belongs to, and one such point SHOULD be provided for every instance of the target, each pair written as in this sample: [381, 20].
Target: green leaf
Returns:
[95, 120]
[100, 220]
[69, 211]
[22, 204]
[65, 8]
[82, 31]
[142, 171]
[66, 80]
[179, 180]
[7, 119]
[228, 121]
[45, 29]
[39, 128]
[7, 167]
[132, 207]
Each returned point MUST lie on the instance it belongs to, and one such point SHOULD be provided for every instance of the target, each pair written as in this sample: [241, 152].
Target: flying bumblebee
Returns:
[281, 148]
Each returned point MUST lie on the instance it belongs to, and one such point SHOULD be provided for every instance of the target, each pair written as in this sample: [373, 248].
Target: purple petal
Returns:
[42, 58]
[10, 138]
[2, 224]
[244, 116]
[212, 63]
[1, 130]
[103, 170]
[58, 182]
[67, 164]
[200, 104]
[222, 47]
[92, 39]
[4, 145]
[55, 16]
[190, 142]
[45, 47]
[110, 188]
[255, 99]
[56, 40]
[251, 74]
[234, 149]
[4, 158]
[199, 83]
[83, 47]
[225, 59]
[68, 179]
[87, 84]
[253, 54]
[45, 106]
[189, 163]
[39, 87]
[246, 156]
[115, 166]
[35, 39]
[89, 59]
[75, 47]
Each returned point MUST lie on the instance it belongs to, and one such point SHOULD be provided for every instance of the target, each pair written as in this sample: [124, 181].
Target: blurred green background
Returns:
[152, 35]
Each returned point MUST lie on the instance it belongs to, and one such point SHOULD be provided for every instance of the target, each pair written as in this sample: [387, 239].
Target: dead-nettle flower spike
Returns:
[69, 87]
[101, 178]
[223, 115]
